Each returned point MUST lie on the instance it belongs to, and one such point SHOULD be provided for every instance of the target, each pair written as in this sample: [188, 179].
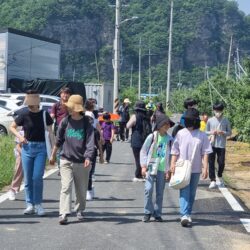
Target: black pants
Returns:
[108, 147]
[92, 170]
[136, 152]
[220, 152]
[124, 132]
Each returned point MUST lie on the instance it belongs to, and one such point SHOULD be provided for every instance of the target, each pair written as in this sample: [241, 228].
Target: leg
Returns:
[136, 152]
[122, 137]
[221, 160]
[28, 167]
[211, 161]
[160, 185]
[81, 176]
[149, 188]
[184, 200]
[126, 132]
[66, 186]
[193, 187]
[109, 151]
[18, 175]
[39, 167]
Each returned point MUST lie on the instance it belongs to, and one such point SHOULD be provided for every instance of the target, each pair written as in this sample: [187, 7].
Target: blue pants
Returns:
[33, 161]
[187, 195]
[149, 207]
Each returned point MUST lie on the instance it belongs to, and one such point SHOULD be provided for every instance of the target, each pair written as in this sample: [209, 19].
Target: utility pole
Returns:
[131, 76]
[149, 73]
[139, 76]
[169, 54]
[229, 58]
[116, 56]
[97, 69]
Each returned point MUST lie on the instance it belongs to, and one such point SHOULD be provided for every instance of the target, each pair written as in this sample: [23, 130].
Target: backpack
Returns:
[146, 129]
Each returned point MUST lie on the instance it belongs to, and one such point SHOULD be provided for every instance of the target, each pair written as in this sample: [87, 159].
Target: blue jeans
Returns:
[33, 161]
[187, 195]
[149, 207]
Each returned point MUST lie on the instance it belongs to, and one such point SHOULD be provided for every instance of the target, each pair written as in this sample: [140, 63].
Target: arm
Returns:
[131, 123]
[90, 145]
[205, 166]
[13, 129]
[112, 135]
[173, 161]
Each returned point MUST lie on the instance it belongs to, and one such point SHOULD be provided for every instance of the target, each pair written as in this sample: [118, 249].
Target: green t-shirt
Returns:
[160, 151]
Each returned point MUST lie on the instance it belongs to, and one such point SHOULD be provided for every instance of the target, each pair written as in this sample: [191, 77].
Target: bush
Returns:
[7, 160]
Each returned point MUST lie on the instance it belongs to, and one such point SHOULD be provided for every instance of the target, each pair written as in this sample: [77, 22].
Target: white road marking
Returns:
[246, 224]
[4, 197]
[231, 200]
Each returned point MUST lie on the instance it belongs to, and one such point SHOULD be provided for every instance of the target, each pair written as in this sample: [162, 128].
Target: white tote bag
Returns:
[182, 174]
[47, 136]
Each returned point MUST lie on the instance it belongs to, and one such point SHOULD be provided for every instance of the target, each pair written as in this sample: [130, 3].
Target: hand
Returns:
[111, 140]
[168, 175]
[143, 171]
[204, 173]
[214, 132]
[220, 132]
[23, 140]
[52, 160]
[86, 163]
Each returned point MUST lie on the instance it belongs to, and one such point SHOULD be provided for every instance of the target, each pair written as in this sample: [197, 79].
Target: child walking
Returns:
[108, 132]
[155, 162]
[18, 174]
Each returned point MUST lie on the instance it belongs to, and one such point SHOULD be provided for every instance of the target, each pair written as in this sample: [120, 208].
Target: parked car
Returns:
[21, 96]
[4, 110]
[10, 103]
[5, 121]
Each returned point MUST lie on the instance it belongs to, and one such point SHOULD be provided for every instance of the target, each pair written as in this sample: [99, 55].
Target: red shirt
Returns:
[60, 111]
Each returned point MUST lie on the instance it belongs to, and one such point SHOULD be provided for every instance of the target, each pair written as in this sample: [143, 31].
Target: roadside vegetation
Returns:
[7, 160]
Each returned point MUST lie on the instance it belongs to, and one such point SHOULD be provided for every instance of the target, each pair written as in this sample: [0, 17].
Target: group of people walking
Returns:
[80, 138]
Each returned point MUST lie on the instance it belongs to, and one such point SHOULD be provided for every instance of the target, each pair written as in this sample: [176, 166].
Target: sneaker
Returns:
[212, 185]
[146, 217]
[106, 162]
[135, 179]
[12, 195]
[39, 210]
[220, 182]
[184, 221]
[89, 195]
[79, 215]
[29, 209]
[63, 220]
[158, 219]
[189, 219]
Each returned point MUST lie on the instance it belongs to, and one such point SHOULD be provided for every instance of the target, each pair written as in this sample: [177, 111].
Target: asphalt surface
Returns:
[113, 219]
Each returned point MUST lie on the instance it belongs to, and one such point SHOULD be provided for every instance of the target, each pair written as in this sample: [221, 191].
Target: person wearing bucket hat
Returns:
[76, 137]
[141, 128]
[218, 128]
[190, 141]
[33, 152]
[123, 111]
[155, 161]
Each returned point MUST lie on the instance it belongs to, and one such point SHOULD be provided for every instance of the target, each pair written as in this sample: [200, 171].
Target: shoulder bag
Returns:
[182, 174]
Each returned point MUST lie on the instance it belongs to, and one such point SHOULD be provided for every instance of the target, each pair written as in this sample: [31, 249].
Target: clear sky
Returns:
[244, 5]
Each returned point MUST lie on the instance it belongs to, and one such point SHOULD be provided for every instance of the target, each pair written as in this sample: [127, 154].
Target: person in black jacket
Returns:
[137, 138]
[124, 118]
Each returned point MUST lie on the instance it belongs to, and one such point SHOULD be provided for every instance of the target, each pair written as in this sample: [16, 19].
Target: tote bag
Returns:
[47, 136]
[182, 174]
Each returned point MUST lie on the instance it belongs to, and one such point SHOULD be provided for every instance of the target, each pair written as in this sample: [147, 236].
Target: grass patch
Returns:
[7, 160]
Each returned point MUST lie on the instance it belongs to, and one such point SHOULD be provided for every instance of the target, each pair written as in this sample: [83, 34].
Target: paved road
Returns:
[113, 220]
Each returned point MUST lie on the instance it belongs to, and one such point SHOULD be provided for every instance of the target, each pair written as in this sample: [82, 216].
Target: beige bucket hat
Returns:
[75, 103]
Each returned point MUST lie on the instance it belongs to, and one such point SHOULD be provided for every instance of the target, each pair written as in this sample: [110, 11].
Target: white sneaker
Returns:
[184, 220]
[189, 219]
[39, 210]
[212, 185]
[12, 195]
[29, 209]
[135, 179]
[89, 195]
[220, 182]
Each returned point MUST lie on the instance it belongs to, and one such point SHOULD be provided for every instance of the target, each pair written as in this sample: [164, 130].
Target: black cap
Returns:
[161, 120]
[140, 105]
[192, 113]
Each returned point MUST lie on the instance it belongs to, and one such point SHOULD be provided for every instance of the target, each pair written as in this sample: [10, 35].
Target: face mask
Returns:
[218, 114]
